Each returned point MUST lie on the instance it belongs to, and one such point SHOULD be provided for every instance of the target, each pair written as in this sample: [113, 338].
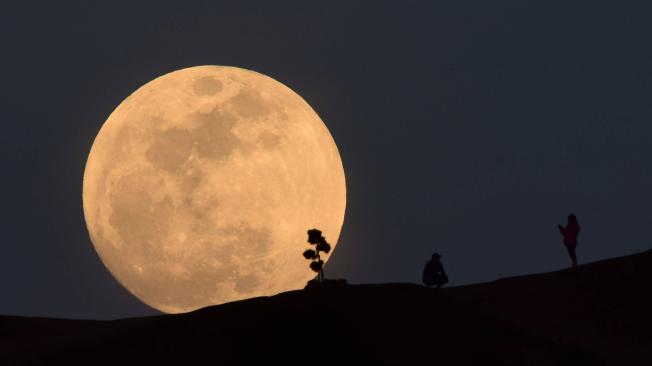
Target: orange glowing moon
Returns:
[199, 188]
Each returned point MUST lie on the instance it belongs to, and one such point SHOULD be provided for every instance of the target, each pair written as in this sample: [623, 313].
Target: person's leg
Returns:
[573, 255]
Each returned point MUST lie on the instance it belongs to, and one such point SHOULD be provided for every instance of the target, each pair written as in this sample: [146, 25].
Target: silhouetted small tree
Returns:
[321, 245]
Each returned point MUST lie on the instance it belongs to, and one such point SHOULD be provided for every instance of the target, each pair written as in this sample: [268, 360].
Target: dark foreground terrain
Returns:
[597, 314]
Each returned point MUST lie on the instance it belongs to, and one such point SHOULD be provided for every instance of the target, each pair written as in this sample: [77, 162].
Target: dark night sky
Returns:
[468, 127]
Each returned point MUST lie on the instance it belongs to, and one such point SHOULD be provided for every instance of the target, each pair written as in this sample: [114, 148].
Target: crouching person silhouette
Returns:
[433, 273]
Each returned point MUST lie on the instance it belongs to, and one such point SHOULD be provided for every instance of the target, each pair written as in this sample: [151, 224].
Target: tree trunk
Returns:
[320, 275]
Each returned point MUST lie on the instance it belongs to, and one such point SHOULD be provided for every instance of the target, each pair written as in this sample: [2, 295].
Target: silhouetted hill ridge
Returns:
[595, 314]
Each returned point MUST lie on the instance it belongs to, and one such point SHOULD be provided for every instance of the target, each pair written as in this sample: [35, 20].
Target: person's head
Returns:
[572, 219]
[436, 256]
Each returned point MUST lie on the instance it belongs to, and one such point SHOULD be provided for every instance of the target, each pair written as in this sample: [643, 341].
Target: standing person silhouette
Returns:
[570, 233]
[433, 273]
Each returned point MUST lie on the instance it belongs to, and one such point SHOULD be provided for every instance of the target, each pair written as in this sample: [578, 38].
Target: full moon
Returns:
[200, 187]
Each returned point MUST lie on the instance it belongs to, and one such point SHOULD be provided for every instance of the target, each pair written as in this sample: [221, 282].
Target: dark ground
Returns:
[597, 314]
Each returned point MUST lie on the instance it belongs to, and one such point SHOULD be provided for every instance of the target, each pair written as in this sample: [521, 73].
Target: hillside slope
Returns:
[596, 314]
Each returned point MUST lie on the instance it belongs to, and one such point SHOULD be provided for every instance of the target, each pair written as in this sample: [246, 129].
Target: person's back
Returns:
[433, 273]
[570, 233]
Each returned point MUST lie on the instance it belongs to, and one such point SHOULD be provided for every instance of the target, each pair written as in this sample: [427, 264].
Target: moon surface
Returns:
[200, 187]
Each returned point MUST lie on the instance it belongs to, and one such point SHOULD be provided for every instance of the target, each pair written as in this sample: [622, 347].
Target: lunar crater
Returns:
[207, 85]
